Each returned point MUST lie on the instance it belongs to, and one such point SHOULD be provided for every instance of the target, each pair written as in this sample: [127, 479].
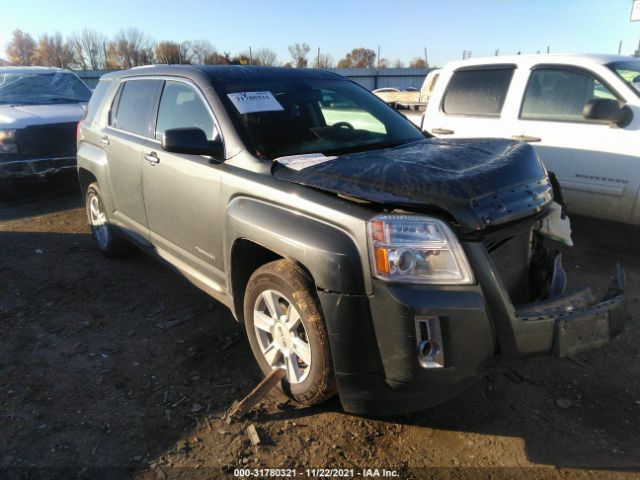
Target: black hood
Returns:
[478, 182]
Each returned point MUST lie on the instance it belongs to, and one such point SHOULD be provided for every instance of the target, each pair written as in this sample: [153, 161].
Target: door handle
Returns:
[442, 131]
[105, 140]
[152, 158]
[526, 138]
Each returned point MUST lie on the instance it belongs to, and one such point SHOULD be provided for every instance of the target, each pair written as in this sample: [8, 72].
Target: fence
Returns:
[370, 78]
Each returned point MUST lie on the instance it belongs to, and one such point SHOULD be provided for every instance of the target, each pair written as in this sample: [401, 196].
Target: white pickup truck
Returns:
[581, 113]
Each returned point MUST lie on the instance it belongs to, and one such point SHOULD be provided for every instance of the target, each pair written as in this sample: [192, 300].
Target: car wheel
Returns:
[104, 235]
[286, 329]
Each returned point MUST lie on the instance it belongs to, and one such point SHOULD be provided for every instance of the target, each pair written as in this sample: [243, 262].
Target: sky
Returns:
[402, 28]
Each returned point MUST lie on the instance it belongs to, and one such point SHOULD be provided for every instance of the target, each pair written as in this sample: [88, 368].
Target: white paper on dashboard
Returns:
[251, 102]
[300, 162]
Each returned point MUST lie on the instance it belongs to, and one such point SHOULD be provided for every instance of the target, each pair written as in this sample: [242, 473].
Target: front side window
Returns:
[135, 104]
[42, 88]
[182, 107]
[557, 94]
[479, 92]
[290, 116]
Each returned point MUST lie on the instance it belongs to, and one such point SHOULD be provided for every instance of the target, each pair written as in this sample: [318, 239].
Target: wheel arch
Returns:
[257, 233]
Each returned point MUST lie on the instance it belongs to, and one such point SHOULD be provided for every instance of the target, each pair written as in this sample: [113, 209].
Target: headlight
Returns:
[8, 141]
[412, 248]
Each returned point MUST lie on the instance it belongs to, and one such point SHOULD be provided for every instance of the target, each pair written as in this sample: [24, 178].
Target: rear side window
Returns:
[134, 106]
[96, 100]
[180, 107]
[557, 94]
[477, 92]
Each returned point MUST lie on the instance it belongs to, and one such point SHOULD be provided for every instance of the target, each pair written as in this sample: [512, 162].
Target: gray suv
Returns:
[361, 257]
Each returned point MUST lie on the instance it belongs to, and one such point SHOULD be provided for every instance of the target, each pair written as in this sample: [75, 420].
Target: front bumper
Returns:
[375, 346]
[37, 168]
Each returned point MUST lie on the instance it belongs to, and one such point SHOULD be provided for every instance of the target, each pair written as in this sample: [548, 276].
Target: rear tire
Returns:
[286, 329]
[105, 236]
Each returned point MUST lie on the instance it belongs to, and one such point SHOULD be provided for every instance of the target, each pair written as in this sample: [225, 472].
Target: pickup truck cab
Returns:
[364, 259]
[581, 113]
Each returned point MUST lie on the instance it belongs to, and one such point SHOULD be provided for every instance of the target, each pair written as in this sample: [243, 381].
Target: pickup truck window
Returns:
[629, 72]
[42, 89]
[479, 92]
[314, 116]
[135, 104]
[560, 95]
[181, 106]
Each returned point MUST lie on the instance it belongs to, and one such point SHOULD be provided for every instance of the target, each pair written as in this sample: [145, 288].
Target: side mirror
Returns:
[191, 141]
[608, 110]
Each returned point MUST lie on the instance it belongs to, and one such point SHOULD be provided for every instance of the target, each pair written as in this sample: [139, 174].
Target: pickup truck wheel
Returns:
[104, 235]
[286, 330]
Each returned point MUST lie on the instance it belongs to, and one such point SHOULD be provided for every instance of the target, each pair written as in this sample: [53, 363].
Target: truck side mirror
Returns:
[608, 110]
[190, 141]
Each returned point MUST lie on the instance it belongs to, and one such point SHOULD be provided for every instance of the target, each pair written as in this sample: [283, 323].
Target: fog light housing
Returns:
[429, 342]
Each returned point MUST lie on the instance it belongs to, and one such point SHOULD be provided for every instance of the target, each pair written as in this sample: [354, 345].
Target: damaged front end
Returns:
[533, 310]
[504, 208]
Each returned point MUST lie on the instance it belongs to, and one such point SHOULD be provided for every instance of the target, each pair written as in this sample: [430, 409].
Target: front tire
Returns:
[286, 329]
[105, 236]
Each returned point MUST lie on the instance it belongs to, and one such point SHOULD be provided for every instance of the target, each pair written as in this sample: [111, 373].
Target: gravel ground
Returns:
[91, 387]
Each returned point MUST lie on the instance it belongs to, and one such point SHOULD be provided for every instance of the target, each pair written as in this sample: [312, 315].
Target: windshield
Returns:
[629, 71]
[42, 88]
[280, 117]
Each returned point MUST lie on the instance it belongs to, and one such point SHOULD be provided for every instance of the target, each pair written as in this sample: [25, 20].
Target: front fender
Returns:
[326, 251]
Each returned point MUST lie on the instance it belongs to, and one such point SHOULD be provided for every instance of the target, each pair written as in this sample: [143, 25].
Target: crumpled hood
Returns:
[478, 182]
[20, 116]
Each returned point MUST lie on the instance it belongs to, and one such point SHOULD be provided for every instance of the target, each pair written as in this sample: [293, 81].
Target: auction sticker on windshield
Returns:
[251, 102]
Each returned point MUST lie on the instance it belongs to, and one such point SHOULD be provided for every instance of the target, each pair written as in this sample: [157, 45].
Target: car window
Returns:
[24, 88]
[181, 106]
[629, 71]
[477, 92]
[96, 99]
[277, 117]
[336, 110]
[557, 94]
[135, 104]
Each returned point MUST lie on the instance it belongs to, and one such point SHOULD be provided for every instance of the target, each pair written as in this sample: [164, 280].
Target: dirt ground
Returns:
[91, 387]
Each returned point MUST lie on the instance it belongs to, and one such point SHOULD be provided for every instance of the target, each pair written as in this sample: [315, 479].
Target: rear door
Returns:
[129, 127]
[597, 165]
[181, 192]
[472, 103]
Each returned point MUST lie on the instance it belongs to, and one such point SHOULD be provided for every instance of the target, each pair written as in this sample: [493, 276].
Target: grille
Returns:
[54, 140]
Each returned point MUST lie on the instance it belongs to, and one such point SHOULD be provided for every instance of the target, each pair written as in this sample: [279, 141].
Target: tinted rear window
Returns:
[135, 105]
[96, 99]
[477, 92]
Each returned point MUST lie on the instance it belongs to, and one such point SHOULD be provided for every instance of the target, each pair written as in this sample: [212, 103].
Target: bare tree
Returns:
[383, 63]
[266, 56]
[90, 49]
[417, 62]
[186, 55]
[53, 51]
[133, 48]
[323, 61]
[358, 58]
[167, 52]
[299, 52]
[21, 49]
[398, 63]
[201, 49]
